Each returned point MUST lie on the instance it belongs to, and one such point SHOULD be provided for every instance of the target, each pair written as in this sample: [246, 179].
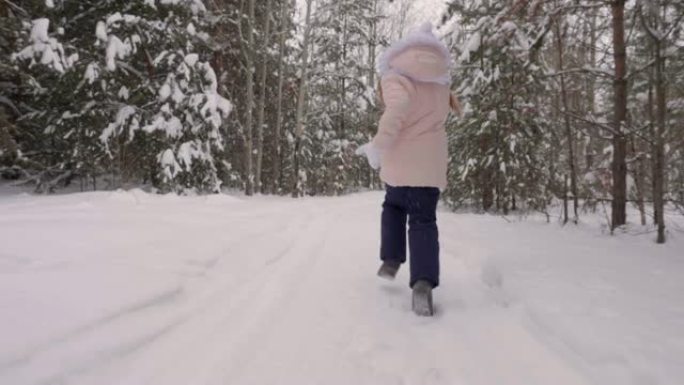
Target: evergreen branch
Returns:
[656, 35]
[7, 102]
[16, 7]
[591, 122]
[584, 70]
[131, 69]
[640, 69]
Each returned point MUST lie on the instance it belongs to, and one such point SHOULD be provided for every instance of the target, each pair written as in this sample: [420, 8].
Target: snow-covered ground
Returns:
[130, 288]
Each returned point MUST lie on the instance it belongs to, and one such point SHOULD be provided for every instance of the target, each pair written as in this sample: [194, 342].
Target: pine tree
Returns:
[48, 71]
[496, 149]
[9, 112]
[341, 93]
[134, 97]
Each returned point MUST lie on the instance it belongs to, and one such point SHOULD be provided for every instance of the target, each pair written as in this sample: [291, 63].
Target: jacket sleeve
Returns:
[397, 92]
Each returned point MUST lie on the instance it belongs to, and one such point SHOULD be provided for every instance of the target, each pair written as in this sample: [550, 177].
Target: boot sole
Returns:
[422, 304]
[386, 274]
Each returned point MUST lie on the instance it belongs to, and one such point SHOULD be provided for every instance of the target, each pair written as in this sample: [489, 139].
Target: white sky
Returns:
[421, 10]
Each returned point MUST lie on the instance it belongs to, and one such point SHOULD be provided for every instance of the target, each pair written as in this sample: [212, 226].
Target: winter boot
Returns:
[388, 270]
[422, 298]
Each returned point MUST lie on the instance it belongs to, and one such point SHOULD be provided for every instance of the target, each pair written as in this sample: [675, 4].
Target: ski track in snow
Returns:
[131, 288]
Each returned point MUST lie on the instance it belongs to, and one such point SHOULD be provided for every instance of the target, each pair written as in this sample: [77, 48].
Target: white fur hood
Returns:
[420, 55]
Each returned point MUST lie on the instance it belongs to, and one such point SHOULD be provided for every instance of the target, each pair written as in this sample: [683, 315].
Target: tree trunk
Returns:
[650, 108]
[565, 198]
[619, 166]
[249, 109]
[639, 176]
[486, 177]
[658, 130]
[343, 83]
[591, 89]
[277, 161]
[301, 100]
[659, 155]
[569, 136]
[262, 98]
[372, 117]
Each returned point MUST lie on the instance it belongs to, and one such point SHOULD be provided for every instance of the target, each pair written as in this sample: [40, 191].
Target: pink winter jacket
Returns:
[411, 138]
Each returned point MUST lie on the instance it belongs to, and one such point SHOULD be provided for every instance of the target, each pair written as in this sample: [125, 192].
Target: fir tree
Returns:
[134, 96]
[496, 149]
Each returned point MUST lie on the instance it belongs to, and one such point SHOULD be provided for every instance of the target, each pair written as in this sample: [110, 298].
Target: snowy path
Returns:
[130, 288]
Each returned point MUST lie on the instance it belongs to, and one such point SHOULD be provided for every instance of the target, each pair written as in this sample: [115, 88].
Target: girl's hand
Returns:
[455, 105]
[371, 153]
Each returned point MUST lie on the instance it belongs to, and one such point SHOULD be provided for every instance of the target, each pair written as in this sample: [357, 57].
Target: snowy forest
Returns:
[190, 193]
[578, 103]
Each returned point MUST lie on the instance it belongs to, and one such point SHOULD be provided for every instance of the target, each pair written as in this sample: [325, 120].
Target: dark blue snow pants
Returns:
[420, 205]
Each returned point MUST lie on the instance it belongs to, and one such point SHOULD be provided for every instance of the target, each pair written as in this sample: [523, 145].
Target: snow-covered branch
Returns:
[599, 72]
